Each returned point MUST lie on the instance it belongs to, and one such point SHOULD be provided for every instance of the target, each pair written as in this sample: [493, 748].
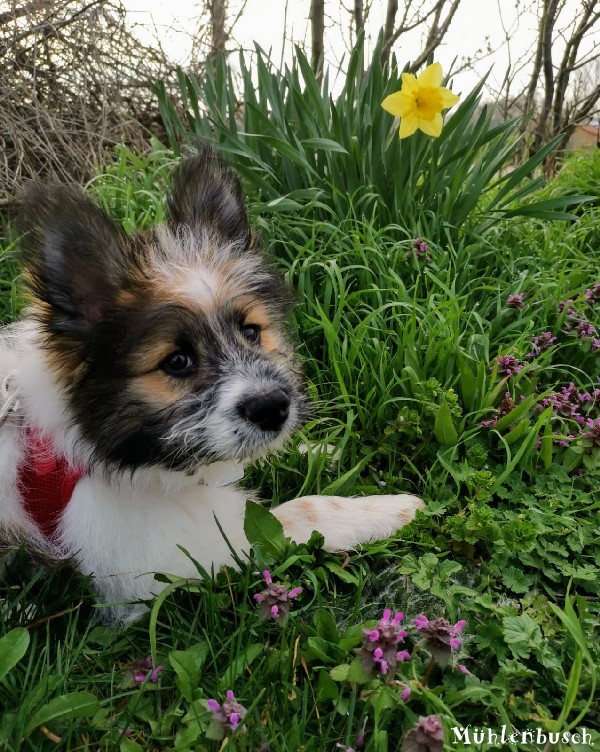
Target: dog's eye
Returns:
[252, 333]
[178, 363]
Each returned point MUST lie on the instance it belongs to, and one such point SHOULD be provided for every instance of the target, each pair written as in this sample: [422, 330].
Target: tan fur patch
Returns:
[307, 508]
[158, 389]
[405, 515]
[148, 359]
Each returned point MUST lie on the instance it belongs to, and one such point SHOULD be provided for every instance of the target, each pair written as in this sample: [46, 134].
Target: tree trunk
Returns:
[388, 30]
[218, 13]
[317, 27]
[359, 18]
[548, 23]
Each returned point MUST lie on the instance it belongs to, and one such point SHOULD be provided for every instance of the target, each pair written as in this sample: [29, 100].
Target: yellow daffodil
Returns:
[420, 102]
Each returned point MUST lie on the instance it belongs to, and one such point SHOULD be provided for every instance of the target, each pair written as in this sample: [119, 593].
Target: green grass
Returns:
[399, 358]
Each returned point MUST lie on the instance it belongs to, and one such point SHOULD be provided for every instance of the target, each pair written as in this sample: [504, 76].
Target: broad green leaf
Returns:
[13, 647]
[325, 651]
[72, 705]
[264, 529]
[521, 634]
[340, 673]
[443, 429]
[187, 665]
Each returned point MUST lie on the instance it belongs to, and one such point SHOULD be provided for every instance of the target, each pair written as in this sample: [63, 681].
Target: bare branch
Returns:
[436, 34]
[49, 27]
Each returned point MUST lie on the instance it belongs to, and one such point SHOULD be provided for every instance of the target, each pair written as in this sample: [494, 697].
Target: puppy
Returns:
[148, 370]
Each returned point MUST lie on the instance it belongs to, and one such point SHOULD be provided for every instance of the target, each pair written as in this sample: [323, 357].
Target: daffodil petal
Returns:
[432, 127]
[431, 76]
[406, 104]
[409, 83]
[448, 98]
[408, 125]
[397, 104]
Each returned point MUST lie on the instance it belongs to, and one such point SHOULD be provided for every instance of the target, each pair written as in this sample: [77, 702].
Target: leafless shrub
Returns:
[73, 82]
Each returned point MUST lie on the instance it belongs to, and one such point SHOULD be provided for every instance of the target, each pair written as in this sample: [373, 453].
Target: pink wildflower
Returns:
[379, 652]
[421, 248]
[541, 343]
[586, 329]
[426, 736]
[142, 669]
[275, 601]
[593, 296]
[591, 437]
[507, 365]
[440, 637]
[516, 301]
[227, 716]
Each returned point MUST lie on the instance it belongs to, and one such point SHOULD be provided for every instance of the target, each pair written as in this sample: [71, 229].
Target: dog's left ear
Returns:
[74, 258]
[207, 197]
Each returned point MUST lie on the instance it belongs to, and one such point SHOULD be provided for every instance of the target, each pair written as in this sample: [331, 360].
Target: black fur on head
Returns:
[75, 256]
[120, 314]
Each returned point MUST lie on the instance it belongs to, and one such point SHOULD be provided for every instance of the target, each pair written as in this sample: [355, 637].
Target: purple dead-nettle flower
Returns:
[275, 601]
[591, 437]
[440, 637]
[593, 296]
[405, 694]
[143, 669]
[586, 329]
[516, 301]
[463, 669]
[541, 343]
[426, 736]
[567, 307]
[379, 652]
[229, 715]
[504, 408]
[507, 365]
[421, 248]
[569, 401]
[595, 343]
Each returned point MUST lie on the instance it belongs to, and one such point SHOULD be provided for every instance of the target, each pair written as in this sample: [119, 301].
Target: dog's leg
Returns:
[346, 522]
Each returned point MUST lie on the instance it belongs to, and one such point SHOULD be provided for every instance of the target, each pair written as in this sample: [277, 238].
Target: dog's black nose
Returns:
[267, 411]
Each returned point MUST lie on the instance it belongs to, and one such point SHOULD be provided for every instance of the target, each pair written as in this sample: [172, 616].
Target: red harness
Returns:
[46, 482]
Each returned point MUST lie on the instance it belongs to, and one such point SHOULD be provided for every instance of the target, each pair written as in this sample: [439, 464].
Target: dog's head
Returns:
[170, 346]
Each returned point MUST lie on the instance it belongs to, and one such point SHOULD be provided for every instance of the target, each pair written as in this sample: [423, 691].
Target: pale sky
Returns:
[263, 22]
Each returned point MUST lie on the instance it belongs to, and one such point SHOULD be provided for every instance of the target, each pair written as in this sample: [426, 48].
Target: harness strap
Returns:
[46, 483]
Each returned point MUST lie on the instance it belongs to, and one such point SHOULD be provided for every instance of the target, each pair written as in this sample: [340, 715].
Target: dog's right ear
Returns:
[207, 197]
[74, 259]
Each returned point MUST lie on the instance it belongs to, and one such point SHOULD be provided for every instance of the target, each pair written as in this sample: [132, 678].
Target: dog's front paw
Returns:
[346, 523]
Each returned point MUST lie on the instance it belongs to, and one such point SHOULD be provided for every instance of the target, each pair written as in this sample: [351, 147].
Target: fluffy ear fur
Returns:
[73, 255]
[207, 197]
